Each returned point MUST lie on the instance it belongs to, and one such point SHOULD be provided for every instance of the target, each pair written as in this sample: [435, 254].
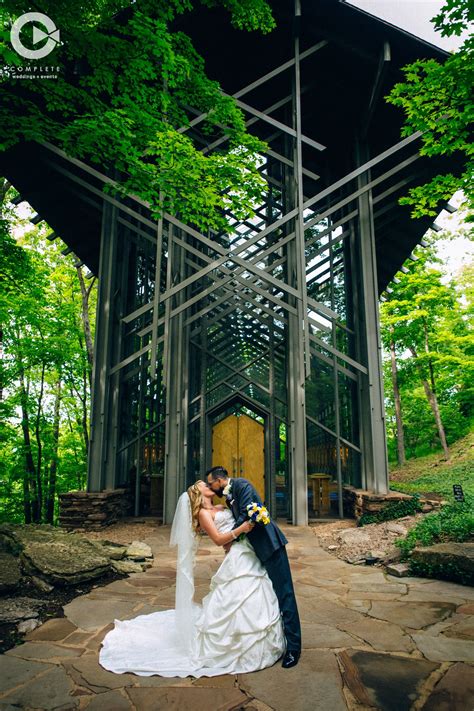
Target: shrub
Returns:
[454, 522]
[397, 509]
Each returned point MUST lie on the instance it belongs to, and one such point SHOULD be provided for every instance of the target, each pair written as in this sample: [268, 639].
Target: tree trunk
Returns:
[4, 187]
[433, 400]
[85, 293]
[39, 444]
[398, 405]
[53, 467]
[81, 416]
[85, 428]
[76, 457]
[30, 495]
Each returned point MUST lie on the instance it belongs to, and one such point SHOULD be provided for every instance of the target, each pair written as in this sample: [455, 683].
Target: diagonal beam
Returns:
[258, 82]
[338, 354]
[277, 124]
[283, 67]
[363, 189]
[362, 169]
[240, 374]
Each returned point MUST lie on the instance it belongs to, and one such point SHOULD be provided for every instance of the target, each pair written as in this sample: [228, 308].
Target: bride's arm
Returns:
[221, 539]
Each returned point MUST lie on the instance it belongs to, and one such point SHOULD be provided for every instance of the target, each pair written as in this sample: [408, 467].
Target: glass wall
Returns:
[333, 454]
[141, 407]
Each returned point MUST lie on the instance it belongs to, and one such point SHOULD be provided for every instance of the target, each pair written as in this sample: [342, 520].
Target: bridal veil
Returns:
[183, 536]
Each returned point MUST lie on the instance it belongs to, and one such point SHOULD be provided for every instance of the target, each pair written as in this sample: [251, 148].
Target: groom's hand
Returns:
[227, 547]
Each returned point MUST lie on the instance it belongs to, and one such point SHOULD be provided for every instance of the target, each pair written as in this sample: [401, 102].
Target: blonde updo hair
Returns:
[195, 497]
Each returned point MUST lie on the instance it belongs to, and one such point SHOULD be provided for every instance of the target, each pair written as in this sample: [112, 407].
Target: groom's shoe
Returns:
[290, 659]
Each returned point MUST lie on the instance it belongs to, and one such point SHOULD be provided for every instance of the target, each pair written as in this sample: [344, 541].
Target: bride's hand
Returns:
[247, 526]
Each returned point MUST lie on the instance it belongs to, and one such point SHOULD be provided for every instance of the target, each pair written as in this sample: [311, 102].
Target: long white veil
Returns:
[182, 535]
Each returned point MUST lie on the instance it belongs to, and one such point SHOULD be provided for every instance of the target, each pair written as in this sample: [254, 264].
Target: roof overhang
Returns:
[351, 79]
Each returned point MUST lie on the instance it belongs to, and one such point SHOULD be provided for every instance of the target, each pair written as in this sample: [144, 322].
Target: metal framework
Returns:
[277, 318]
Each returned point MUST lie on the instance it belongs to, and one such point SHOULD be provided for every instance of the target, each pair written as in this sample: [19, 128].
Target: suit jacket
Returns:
[265, 539]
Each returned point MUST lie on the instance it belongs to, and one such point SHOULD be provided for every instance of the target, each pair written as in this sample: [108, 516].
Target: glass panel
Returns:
[152, 473]
[194, 454]
[351, 467]
[218, 395]
[281, 469]
[257, 394]
[323, 493]
[320, 394]
[348, 410]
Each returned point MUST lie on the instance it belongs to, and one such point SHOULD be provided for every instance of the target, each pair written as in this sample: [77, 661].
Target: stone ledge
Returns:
[452, 560]
[107, 494]
[358, 502]
[92, 510]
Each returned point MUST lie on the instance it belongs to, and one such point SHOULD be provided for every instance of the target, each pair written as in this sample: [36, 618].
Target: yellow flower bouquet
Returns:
[258, 513]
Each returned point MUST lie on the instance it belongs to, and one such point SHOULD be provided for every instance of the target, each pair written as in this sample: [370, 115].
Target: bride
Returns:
[238, 627]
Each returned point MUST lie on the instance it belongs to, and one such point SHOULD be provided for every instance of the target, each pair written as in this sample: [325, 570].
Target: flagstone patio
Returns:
[369, 641]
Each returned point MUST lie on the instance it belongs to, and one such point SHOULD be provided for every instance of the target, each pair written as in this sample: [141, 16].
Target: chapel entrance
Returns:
[238, 445]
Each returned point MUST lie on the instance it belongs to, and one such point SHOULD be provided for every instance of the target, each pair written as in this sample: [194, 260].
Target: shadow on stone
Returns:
[384, 681]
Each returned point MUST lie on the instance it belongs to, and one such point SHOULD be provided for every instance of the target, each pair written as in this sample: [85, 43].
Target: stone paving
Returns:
[370, 641]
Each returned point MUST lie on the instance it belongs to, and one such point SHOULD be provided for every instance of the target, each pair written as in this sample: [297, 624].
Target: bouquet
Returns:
[258, 513]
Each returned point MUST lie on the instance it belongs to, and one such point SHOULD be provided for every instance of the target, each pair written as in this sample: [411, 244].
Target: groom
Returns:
[269, 545]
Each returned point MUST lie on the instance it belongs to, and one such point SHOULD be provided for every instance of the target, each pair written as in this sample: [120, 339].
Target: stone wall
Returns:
[358, 502]
[92, 510]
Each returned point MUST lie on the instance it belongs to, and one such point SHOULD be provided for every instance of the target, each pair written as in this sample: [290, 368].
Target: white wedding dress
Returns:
[237, 629]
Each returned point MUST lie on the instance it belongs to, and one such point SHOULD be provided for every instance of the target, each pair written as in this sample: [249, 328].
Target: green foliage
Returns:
[397, 509]
[454, 17]
[247, 14]
[437, 100]
[454, 522]
[124, 89]
[14, 264]
[440, 482]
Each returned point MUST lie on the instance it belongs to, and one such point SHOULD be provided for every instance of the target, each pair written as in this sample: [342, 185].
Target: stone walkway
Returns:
[370, 641]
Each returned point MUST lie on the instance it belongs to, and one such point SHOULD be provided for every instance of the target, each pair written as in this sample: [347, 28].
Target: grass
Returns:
[435, 475]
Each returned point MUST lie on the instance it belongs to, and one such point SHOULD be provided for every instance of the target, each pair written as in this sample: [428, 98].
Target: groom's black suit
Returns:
[269, 545]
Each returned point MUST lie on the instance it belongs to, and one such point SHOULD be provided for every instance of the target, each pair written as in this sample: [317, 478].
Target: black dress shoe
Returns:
[290, 659]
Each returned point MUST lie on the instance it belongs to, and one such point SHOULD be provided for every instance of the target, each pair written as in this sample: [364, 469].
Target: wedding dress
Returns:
[237, 629]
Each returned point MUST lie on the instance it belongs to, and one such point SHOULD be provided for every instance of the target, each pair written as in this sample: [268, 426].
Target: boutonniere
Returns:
[227, 489]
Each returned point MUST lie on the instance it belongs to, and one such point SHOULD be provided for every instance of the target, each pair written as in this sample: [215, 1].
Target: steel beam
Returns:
[373, 435]
[101, 394]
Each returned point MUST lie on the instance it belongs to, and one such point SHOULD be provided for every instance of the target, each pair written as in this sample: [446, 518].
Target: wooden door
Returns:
[251, 455]
[225, 437]
[238, 445]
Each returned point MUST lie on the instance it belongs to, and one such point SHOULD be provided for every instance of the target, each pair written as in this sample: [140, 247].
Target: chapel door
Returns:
[238, 446]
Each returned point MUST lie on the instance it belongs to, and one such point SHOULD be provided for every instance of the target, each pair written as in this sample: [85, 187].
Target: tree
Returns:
[125, 83]
[431, 345]
[438, 101]
[400, 436]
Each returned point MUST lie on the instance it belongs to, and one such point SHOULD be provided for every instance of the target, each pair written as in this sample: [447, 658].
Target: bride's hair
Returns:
[195, 498]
